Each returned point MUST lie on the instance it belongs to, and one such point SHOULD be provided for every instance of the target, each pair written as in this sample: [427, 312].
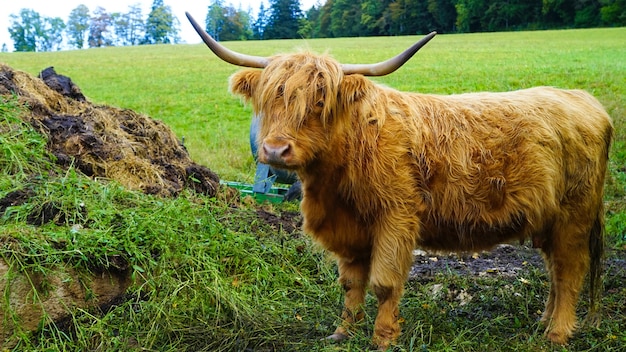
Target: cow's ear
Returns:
[353, 88]
[244, 83]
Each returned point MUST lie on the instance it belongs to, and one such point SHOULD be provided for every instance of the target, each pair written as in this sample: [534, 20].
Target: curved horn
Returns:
[387, 67]
[226, 54]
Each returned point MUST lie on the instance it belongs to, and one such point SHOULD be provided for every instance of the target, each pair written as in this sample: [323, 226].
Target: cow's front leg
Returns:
[353, 277]
[392, 256]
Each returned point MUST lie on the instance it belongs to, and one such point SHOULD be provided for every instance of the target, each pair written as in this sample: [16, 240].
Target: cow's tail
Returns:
[596, 242]
[596, 252]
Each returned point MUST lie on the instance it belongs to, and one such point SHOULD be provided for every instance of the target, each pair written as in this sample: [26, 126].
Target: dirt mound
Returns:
[106, 142]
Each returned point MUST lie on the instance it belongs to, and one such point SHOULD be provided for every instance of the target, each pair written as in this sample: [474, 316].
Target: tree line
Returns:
[32, 32]
[349, 18]
[282, 19]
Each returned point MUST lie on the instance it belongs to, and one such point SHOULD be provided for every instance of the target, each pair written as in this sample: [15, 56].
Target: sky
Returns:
[62, 9]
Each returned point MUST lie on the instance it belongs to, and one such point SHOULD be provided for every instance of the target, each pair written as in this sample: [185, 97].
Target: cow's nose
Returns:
[277, 154]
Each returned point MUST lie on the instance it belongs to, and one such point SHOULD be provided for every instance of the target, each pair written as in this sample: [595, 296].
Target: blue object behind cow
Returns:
[266, 175]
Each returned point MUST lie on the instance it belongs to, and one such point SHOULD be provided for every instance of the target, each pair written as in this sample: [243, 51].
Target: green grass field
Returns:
[218, 278]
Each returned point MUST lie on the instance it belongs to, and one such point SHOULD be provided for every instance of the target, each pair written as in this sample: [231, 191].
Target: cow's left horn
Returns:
[226, 54]
[387, 67]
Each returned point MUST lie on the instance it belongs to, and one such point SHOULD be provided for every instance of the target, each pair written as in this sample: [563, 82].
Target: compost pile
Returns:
[106, 142]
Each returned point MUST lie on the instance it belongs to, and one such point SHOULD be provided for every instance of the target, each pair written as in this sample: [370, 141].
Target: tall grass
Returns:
[209, 277]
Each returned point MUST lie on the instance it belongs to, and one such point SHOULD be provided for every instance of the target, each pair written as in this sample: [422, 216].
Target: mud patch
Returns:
[503, 260]
[288, 222]
[14, 198]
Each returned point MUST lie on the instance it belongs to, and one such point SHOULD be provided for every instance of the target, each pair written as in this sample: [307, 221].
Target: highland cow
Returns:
[384, 172]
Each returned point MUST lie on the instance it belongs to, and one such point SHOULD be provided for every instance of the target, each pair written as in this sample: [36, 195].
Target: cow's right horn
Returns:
[226, 54]
[389, 66]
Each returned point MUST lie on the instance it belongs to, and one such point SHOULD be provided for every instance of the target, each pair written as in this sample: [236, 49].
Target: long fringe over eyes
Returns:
[298, 85]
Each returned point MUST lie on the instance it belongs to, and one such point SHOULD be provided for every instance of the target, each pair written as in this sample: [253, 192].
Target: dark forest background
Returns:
[282, 19]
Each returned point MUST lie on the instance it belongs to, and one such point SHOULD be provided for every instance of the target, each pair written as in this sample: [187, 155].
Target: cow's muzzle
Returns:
[277, 154]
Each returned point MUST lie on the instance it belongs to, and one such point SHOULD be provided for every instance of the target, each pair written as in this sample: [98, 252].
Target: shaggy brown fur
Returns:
[384, 172]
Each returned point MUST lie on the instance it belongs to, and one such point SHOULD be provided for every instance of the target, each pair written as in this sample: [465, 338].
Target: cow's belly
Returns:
[447, 236]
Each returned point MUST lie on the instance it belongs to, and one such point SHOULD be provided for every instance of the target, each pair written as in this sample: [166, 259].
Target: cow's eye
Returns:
[320, 104]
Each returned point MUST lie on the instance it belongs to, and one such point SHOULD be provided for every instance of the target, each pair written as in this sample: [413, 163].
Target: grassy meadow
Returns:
[220, 279]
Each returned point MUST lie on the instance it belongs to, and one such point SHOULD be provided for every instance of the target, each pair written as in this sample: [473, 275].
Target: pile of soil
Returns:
[106, 142]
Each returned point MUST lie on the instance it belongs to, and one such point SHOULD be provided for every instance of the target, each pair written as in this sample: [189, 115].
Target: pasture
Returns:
[221, 278]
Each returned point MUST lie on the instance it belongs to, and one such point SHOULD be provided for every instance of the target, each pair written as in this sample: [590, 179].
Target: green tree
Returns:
[215, 19]
[469, 14]
[77, 26]
[129, 27]
[99, 34]
[417, 18]
[322, 28]
[26, 30]
[372, 19]
[161, 25]
[444, 15]
[345, 18]
[396, 16]
[307, 23]
[558, 12]
[258, 28]
[53, 37]
[284, 19]
[246, 22]
[136, 25]
[613, 12]
[587, 13]
[511, 14]
[236, 25]
[305, 28]
[568, 13]
[228, 23]
[401, 17]
[119, 22]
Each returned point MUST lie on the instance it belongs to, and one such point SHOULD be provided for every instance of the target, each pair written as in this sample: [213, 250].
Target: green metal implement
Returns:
[273, 195]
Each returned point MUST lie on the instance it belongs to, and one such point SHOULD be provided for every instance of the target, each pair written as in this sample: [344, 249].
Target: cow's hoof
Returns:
[558, 338]
[382, 346]
[336, 337]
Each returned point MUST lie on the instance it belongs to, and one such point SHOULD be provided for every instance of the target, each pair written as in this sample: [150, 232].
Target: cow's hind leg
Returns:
[353, 277]
[567, 261]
